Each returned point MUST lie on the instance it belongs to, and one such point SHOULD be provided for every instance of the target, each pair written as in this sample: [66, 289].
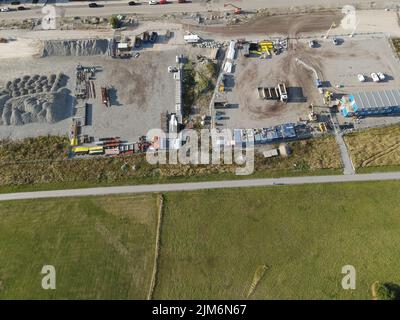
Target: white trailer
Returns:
[192, 38]
[282, 92]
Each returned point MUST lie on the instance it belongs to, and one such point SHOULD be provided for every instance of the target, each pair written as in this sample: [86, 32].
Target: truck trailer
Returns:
[282, 92]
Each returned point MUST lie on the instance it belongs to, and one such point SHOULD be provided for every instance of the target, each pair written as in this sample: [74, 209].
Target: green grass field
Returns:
[102, 248]
[213, 243]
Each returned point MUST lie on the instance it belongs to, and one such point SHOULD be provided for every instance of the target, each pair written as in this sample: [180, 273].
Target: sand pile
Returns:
[88, 47]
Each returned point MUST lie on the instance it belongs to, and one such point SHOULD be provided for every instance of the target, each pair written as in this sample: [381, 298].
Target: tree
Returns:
[388, 291]
[114, 22]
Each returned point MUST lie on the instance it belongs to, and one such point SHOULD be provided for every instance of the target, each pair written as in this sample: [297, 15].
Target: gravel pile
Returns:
[89, 47]
[34, 99]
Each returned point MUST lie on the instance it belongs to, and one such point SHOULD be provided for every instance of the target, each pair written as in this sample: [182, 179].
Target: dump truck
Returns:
[282, 92]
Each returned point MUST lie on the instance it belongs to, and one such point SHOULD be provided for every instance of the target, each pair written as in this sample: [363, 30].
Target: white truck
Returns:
[282, 92]
[191, 38]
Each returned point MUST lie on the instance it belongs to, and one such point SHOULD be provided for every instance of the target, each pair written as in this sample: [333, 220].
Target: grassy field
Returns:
[213, 242]
[287, 242]
[373, 148]
[102, 248]
[39, 164]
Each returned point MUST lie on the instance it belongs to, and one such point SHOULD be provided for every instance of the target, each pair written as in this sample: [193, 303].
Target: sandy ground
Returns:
[304, 25]
[19, 48]
[334, 64]
[111, 7]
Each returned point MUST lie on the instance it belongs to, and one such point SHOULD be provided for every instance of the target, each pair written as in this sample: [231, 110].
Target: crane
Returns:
[333, 25]
[237, 9]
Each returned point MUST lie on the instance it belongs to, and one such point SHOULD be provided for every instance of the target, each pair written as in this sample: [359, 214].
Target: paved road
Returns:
[200, 186]
[348, 167]
[115, 7]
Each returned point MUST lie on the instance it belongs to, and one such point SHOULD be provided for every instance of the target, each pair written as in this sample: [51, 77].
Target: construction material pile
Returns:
[87, 47]
[212, 44]
[33, 99]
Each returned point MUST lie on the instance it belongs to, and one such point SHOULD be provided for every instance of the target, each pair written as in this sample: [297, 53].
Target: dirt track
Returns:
[279, 24]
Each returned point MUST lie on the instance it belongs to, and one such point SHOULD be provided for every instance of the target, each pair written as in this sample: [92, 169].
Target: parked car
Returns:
[361, 78]
[312, 43]
[375, 77]
[381, 76]
[172, 69]
[131, 3]
[137, 55]
[15, 3]
[5, 9]
[153, 2]
[335, 41]
[21, 8]
[93, 5]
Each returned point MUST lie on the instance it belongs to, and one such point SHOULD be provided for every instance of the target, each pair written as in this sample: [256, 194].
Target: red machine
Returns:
[237, 10]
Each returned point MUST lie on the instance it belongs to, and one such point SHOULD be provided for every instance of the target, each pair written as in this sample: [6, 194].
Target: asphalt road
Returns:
[120, 7]
[200, 186]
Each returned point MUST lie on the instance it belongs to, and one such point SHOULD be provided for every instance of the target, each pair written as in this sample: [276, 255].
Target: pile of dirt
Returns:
[87, 47]
[34, 99]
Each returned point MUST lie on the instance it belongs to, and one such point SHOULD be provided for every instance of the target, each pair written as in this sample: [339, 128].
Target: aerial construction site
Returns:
[270, 76]
[199, 149]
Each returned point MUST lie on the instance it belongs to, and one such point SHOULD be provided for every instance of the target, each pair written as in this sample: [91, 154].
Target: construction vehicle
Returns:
[266, 47]
[322, 127]
[312, 116]
[222, 84]
[105, 97]
[282, 92]
[328, 97]
[74, 135]
[236, 10]
[333, 25]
